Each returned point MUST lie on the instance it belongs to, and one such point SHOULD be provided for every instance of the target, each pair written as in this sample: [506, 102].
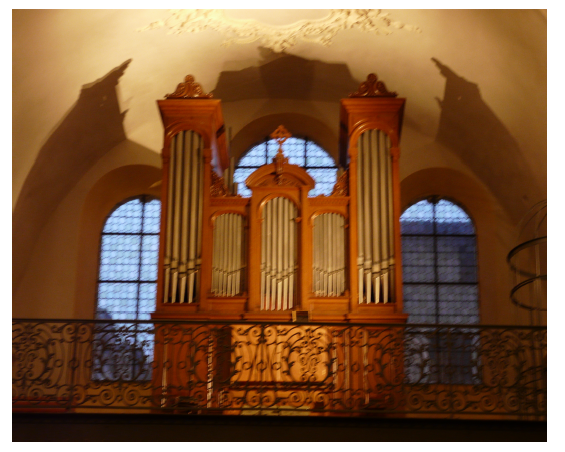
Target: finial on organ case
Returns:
[373, 87]
[280, 135]
[189, 89]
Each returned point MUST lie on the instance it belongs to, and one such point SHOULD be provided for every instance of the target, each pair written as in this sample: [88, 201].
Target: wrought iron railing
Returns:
[280, 368]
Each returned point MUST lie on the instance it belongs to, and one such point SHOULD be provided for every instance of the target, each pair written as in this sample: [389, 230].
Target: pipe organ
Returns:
[223, 256]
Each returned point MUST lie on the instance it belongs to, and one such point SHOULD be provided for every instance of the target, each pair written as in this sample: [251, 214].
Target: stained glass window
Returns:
[303, 152]
[126, 290]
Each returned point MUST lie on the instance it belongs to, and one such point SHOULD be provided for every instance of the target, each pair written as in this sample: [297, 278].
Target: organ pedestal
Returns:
[225, 257]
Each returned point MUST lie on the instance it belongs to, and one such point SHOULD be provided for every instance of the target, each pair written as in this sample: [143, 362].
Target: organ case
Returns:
[261, 258]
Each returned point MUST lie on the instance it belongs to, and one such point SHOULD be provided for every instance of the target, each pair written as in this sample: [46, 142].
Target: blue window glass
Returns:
[302, 152]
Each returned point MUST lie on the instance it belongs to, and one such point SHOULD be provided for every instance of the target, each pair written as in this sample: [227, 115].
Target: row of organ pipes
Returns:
[278, 254]
[375, 237]
[333, 253]
[183, 235]
[228, 258]
[329, 255]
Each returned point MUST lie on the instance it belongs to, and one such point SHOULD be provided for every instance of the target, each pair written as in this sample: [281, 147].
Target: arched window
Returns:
[440, 287]
[439, 263]
[127, 286]
[303, 152]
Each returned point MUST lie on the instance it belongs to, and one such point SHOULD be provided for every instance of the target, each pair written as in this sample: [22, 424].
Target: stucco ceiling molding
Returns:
[279, 37]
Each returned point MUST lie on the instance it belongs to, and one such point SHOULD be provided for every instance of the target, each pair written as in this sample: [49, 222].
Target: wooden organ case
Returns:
[225, 257]
[275, 257]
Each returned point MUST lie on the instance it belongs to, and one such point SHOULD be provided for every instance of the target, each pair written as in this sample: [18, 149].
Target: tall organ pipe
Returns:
[193, 220]
[176, 216]
[367, 217]
[360, 223]
[184, 222]
[377, 189]
[391, 263]
[199, 217]
[169, 227]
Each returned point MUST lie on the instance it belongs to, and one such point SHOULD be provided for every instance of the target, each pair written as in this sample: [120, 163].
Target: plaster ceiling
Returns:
[460, 70]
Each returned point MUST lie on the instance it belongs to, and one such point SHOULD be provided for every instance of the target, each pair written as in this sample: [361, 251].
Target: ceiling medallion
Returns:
[279, 37]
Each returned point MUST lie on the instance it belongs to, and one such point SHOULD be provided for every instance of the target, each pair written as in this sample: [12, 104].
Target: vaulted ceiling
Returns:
[85, 81]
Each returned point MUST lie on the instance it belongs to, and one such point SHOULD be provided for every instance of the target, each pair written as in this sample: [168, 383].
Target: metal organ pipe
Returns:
[367, 217]
[168, 230]
[176, 216]
[391, 263]
[376, 192]
[360, 224]
[187, 177]
[375, 222]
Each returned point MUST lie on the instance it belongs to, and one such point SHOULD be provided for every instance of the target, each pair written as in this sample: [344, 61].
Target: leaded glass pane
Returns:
[452, 219]
[117, 301]
[239, 176]
[325, 181]
[149, 257]
[254, 157]
[418, 219]
[120, 257]
[316, 156]
[152, 217]
[126, 218]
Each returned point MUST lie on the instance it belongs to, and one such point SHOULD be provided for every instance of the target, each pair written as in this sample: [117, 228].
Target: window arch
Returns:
[300, 151]
[439, 263]
[127, 285]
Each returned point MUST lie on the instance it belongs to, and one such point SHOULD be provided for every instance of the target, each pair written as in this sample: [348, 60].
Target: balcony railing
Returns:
[279, 368]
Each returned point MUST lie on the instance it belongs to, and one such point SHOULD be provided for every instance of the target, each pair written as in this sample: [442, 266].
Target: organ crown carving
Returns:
[372, 87]
[189, 89]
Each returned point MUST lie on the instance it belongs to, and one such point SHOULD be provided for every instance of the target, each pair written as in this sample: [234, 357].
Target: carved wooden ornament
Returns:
[217, 186]
[372, 87]
[341, 185]
[189, 89]
[280, 135]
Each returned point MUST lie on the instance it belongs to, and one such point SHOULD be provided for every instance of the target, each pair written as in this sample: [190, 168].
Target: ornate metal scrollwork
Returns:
[272, 368]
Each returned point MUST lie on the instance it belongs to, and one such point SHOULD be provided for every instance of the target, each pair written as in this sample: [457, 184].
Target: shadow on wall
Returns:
[283, 76]
[91, 129]
[473, 132]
